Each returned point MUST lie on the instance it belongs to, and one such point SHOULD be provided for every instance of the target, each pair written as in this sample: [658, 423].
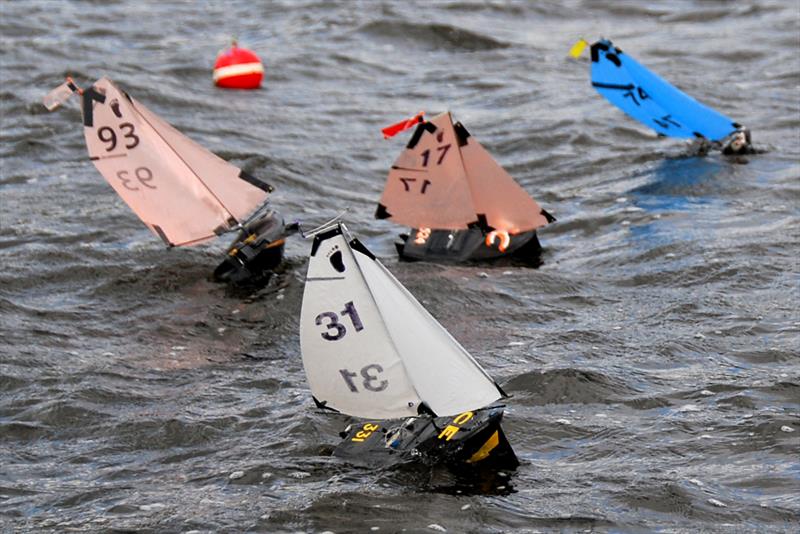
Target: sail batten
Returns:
[350, 360]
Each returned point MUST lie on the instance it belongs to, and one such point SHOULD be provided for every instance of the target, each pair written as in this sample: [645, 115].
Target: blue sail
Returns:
[651, 100]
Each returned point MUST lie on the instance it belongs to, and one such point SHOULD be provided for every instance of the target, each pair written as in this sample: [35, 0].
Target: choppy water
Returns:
[653, 358]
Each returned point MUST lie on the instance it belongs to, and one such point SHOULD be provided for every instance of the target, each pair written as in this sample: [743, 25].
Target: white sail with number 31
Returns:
[370, 349]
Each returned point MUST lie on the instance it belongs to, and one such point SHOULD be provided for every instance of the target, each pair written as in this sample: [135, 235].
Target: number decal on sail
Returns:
[107, 135]
[443, 149]
[426, 154]
[130, 135]
[408, 181]
[371, 382]
[665, 121]
[143, 175]
[335, 329]
[630, 95]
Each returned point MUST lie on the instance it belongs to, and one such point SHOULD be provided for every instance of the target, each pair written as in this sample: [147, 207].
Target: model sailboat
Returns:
[185, 194]
[371, 351]
[656, 103]
[460, 204]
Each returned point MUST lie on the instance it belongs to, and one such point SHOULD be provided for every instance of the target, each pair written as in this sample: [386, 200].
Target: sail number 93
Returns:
[108, 136]
[143, 175]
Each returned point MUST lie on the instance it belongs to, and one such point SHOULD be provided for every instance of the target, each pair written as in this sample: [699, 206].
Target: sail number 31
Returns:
[335, 329]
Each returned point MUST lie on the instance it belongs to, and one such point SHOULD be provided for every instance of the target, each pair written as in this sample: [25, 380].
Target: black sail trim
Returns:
[355, 244]
[547, 216]
[596, 47]
[323, 405]
[162, 235]
[481, 223]
[381, 212]
[88, 108]
[252, 180]
[424, 409]
[461, 134]
[421, 129]
[502, 392]
[614, 59]
[319, 238]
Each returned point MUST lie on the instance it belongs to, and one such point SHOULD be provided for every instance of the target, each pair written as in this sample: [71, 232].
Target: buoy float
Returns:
[238, 68]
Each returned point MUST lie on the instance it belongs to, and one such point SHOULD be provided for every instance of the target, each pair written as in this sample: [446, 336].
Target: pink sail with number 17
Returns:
[182, 192]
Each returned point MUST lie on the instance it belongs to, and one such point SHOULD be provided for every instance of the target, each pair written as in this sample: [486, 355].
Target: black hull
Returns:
[467, 245]
[255, 252]
[470, 440]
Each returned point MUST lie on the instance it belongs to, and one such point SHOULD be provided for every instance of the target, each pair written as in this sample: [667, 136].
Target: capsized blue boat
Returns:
[652, 100]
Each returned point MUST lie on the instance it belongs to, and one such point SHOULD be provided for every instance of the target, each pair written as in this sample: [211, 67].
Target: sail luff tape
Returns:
[238, 70]
[461, 134]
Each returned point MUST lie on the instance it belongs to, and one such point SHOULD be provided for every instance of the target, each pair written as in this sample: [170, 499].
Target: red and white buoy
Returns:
[238, 68]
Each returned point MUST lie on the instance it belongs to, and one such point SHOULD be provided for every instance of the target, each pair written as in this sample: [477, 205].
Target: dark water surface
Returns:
[653, 358]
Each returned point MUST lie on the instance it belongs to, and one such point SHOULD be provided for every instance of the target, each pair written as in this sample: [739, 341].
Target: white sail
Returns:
[371, 350]
[350, 361]
[184, 193]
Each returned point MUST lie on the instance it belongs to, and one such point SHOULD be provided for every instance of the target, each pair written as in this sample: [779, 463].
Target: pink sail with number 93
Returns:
[182, 192]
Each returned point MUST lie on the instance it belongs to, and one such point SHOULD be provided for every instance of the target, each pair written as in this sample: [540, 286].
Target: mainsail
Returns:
[651, 100]
[445, 179]
[370, 349]
[181, 191]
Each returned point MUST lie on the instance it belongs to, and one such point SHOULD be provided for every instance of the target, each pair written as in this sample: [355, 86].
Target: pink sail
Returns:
[181, 191]
[427, 186]
[446, 180]
[496, 195]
